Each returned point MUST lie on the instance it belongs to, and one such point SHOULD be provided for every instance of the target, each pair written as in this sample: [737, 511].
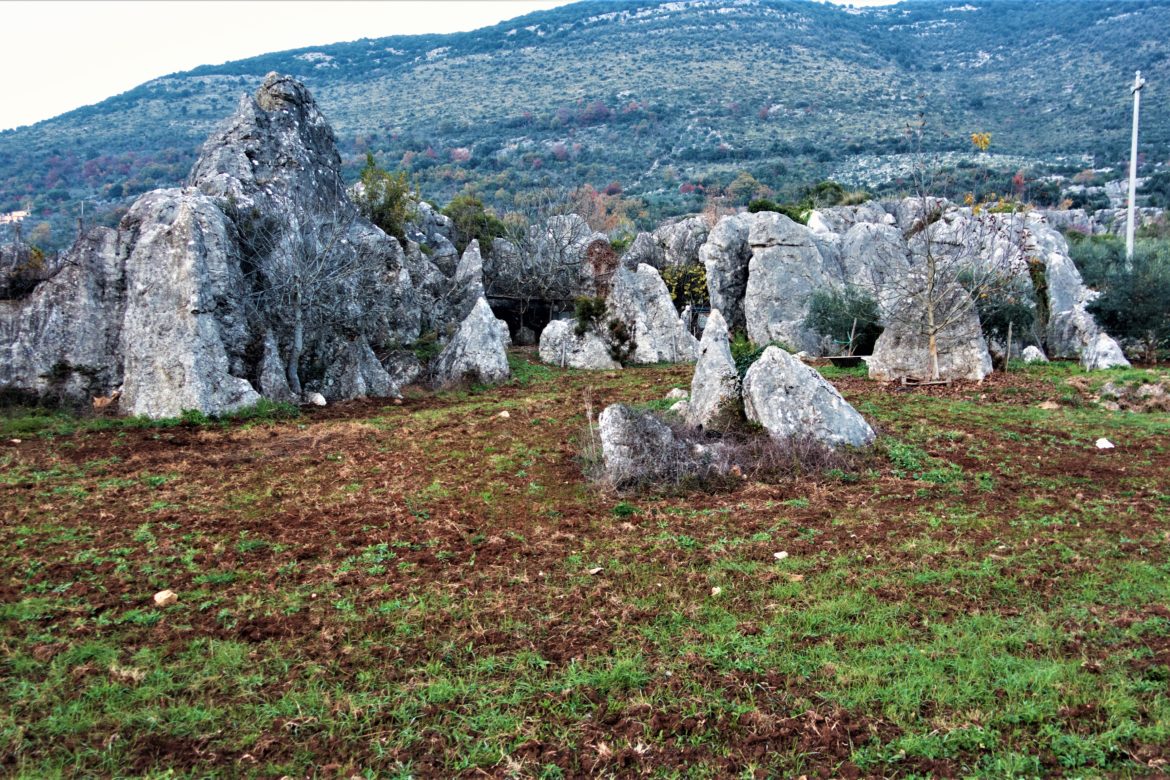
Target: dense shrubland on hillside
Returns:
[666, 101]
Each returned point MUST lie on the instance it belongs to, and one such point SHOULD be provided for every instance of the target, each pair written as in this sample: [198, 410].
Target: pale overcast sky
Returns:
[57, 56]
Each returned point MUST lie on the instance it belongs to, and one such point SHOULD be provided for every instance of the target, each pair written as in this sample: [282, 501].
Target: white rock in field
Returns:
[791, 399]
[1104, 444]
[164, 598]
[316, 399]
[1033, 354]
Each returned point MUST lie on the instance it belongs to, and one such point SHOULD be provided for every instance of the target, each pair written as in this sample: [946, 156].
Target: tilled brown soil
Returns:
[426, 475]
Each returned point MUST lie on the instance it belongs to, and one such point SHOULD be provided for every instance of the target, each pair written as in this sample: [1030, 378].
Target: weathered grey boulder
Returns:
[478, 351]
[839, 219]
[635, 445]
[185, 324]
[715, 387]
[725, 256]
[60, 340]
[791, 399]
[1103, 352]
[353, 371]
[468, 287]
[643, 249]
[273, 379]
[1070, 328]
[1033, 354]
[640, 299]
[561, 346]
[912, 214]
[435, 231]
[786, 268]
[874, 258]
[681, 240]
[903, 349]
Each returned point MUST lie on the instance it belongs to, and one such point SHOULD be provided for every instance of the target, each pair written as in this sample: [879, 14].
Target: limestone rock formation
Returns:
[715, 387]
[640, 299]
[839, 219]
[725, 256]
[786, 268]
[61, 339]
[561, 346]
[681, 240]
[634, 445]
[185, 323]
[791, 399]
[1103, 352]
[1033, 354]
[903, 349]
[477, 352]
[643, 249]
[204, 296]
[468, 288]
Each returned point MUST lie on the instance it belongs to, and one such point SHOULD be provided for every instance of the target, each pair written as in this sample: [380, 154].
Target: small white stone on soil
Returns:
[164, 598]
[715, 591]
[780, 555]
[504, 414]
[1104, 444]
[316, 399]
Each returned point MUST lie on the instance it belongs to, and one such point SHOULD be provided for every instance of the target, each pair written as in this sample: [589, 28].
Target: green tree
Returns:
[385, 198]
[849, 317]
[473, 222]
[1134, 300]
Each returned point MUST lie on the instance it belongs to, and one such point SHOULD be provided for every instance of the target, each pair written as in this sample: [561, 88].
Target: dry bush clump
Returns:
[694, 459]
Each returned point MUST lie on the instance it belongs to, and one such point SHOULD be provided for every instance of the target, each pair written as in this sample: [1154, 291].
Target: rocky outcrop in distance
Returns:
[763, 270]
[259, 278]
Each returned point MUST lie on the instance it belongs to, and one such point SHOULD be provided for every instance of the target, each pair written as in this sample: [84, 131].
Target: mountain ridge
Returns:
[653, 97]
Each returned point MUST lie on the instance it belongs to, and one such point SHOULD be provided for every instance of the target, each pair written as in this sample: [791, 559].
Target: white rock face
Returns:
[785, 270]
[634, 445]
[183, 286]
[478, 351]
[1033, 354]
[839, 219]
[725, 256]
[468, 286]
[791, 399]
[561, 346]
[641, 300]
[715, 386]
[680, 240]
[903, 349]
[1103, 353]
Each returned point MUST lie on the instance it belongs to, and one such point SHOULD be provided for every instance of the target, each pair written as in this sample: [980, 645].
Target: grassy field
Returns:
[429, 589]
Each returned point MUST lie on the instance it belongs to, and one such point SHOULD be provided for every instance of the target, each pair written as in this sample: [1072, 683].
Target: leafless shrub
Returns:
[698, 460]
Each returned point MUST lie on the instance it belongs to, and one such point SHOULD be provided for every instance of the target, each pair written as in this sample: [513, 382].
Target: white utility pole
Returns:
[1138, 83]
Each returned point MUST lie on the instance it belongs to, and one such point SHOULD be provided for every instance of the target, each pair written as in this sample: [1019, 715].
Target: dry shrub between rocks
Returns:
[715, 460]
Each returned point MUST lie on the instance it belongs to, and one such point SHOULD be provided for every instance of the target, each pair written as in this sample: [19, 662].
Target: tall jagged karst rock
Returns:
[260, 278]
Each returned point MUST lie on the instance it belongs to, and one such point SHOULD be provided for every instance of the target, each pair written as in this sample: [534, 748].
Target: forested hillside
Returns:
[666, 101]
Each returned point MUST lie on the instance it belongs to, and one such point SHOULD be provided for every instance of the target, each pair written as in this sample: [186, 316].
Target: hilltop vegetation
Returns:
[666, 101]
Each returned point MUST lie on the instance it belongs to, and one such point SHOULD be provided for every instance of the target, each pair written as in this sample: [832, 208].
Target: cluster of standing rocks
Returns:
[261, 279]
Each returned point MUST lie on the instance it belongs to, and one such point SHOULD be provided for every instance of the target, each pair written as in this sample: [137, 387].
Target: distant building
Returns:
[13, 217]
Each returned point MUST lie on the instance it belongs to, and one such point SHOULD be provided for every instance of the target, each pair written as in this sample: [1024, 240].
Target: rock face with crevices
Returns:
[791, 399]
[785, 270]
[258, 279]
[902, 351]
[561, 346]
[640, 299]
[715, 386]
[477, 352]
